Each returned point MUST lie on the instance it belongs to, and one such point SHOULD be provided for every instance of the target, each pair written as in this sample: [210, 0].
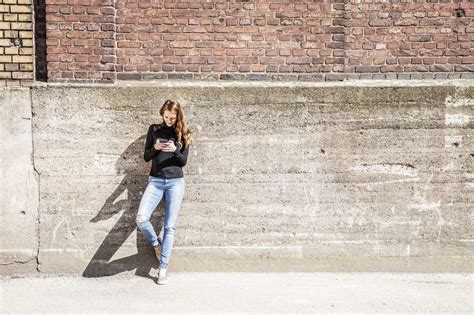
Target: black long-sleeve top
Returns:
[165, 164]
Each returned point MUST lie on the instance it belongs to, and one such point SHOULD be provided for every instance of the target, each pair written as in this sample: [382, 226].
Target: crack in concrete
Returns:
[37, 176]
[18, 262]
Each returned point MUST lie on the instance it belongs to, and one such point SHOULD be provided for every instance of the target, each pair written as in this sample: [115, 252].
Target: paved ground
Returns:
[206, 292]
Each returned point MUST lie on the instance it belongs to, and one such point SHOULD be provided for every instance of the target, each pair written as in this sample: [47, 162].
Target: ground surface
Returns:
[237, 292]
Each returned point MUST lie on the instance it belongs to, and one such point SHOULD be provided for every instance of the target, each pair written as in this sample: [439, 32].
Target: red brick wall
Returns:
[103, 40]
[419, 36]
[80, 40]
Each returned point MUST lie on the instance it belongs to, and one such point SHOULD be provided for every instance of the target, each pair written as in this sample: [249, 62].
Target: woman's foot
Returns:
[162, 277]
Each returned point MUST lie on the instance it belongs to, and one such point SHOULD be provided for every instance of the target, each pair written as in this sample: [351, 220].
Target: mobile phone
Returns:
[163, 140]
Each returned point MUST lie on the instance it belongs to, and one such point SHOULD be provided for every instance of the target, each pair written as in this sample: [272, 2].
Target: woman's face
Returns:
[169, 118]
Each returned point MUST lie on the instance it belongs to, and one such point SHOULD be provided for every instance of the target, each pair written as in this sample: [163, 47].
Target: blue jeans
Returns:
[173, 190]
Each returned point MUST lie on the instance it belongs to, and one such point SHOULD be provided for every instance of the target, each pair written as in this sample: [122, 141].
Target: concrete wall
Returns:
[19, 191]
[281, 176]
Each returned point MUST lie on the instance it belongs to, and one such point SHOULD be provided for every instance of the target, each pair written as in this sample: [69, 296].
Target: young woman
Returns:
[167, 146]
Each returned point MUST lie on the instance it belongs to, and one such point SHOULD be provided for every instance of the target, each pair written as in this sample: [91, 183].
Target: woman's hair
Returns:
[181, 129]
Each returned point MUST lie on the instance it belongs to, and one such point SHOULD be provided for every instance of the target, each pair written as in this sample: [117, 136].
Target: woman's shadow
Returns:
[131, 164]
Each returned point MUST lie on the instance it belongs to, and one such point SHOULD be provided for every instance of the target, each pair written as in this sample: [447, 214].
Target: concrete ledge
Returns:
[251, 259]
[246, 83]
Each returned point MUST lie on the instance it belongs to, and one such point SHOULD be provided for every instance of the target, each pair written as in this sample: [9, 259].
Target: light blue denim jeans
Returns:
[173, 190]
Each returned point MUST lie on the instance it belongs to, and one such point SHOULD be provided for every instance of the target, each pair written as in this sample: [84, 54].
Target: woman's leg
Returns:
[174, 193]
[150, 199]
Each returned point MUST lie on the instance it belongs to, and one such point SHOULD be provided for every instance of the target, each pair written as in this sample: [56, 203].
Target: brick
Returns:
[467, 60]
[25, 34]
[11, 51]
[367, 69]
[26, 51]
[21, 26]
[22, 75]
[26, 82]
[432, 22]
[25, 17]
[108, 43]
[13, 83]
[5, 42]
[27, 43]
[26, 67]
[5, 58]
[419, 38]
[22, 58]
[380, 22]
[20, 9]
[12, 67]
[5, 75]
[10, 17]
[9, 34]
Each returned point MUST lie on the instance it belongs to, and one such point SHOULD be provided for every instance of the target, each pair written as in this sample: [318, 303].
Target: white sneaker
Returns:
[162, 279]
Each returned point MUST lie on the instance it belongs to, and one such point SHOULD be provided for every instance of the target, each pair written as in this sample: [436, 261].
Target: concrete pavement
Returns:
[238, 292]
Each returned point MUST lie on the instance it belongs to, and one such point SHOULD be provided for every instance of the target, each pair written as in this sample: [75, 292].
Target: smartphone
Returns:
[163, 140]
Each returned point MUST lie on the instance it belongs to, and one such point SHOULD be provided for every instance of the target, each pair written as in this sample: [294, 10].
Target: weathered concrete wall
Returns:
[19, 185]
[280, 177]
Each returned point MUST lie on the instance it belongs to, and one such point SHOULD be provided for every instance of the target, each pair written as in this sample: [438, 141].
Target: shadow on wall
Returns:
[132, 165]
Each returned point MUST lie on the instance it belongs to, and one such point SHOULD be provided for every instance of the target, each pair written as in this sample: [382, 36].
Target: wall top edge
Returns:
[240, 83]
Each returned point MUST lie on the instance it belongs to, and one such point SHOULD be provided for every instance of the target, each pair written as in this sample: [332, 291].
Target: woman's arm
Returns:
[181, 157]
[150, 150]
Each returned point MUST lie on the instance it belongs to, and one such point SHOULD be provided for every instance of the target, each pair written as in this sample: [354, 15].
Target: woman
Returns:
[167, 145]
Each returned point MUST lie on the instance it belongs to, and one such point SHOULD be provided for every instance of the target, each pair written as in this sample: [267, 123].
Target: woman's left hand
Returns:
[171, 147]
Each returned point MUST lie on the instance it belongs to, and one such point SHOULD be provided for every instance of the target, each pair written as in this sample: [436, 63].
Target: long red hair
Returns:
[181, 128]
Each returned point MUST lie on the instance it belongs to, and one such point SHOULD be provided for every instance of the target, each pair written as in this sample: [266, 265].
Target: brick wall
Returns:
[420, 36]
[106, 40]
[80, 40]
[16, 41]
